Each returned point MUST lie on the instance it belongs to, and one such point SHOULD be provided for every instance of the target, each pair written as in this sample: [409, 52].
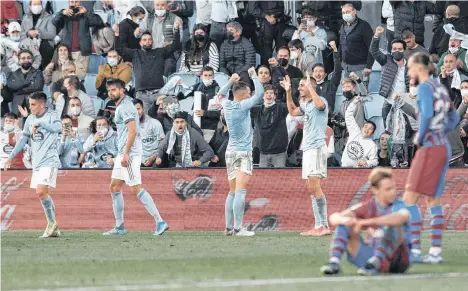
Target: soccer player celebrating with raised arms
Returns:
[128, 161]
[386, 219]
[314, 158]
[437, 117]
[239, 162]
[42, 127]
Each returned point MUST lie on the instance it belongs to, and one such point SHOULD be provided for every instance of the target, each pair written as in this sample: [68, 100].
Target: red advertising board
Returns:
[277, 199]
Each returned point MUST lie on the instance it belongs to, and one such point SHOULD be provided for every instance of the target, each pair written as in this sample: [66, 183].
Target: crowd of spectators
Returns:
[170, 52]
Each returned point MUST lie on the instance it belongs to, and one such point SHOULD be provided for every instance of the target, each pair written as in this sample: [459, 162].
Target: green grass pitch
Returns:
[204, 261]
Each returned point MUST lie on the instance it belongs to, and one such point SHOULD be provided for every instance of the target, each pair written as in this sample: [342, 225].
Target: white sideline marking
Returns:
[260, 282]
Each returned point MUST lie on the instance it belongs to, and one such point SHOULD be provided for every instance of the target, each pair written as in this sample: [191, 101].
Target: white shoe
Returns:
[244, 232]
[432, 259]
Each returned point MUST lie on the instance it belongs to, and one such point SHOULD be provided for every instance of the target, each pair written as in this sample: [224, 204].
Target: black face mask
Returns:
[349, 94]
[397, 56]
[283, 62]
[147, 47]
[450, 20]
[26, 66]
[200, 38]
[230, 35]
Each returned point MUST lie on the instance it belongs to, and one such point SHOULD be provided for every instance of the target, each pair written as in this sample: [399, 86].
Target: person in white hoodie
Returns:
[360, 150]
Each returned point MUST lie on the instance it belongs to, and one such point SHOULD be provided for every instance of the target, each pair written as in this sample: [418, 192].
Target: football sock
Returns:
[49, 208]
[386, 245]
[118, 206]
[148, 202]
[415, 227]
[239, 205]
[228, 208]
[338, 244]
[322, 210]
[437, 226]
[318, 221]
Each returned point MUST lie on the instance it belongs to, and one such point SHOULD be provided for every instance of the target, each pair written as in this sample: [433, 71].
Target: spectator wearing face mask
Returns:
[101, 146]
[71, 145]
[183, 146]
[24, 81]
[37, 28]
[71, 84]
[11, 132]
[460, 53]
[79, 120]
[147, 64]
[355, 40]
[74, 24]
[280, 68]
[298, 58]
[394, 78]
[164, 27]
[11, 47]
[270, 127]
[55, 70]
[219, 143]
[129, 28]
[412, 46]
[312, 36]
[152, 135]
[237, 53]
[199, 52]
[57, 88]
[382, 153]
[360, 150]
[452, 78]
[115, 68]
[222, 13]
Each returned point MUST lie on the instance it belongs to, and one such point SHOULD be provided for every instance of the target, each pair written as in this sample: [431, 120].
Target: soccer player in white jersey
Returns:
[239, 150]
[43, 127]
[128, 160]
[314, 158]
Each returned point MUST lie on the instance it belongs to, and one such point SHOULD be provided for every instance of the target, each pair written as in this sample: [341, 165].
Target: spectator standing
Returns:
[184, 146]
[382, 153]
[222, 13]
[74, 24]
[452, 78]
[412, 46]
[103, 39]
[9, 10]
[11, 133]
[355, 40]
[38, 27]
[199, 52]
[455, 49]
[203, 8]
[270, 127]
[387, 14]
[101, 146]
[129, 28]
[237, 53]
[80, 121]
[147, 64]
[360, 151]
[264, 74]
[152, 134]
[24, 80]
[184, 10]
[219, 144]
[115, 68]
[72, 85]
[300, 59]
[71, 145]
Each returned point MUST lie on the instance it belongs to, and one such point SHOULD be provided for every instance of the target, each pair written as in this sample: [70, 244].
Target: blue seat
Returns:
[374, 108]
[374, 82]
[46, 90]
[221, 79]
[186, 105]
[94, 62]
[338, 100]
[187, 78]
[258, 60]
[98, 104]
[90, 84]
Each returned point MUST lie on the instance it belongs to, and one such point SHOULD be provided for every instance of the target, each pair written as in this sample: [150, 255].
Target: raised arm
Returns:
[351, 123]
[292, 108]
[374, 47]
[257, 98]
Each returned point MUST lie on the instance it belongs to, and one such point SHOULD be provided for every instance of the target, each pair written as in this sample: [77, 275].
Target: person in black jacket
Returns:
[24, 81]
[74, 24]
[355, 39]
[270, 127]
[237, 53]
[272, 24]
[147, 64]
[219, 144]
[129, 27]
[327, 87]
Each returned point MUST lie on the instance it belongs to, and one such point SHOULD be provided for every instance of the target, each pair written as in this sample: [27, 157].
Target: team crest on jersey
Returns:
[201, 187]
[38, 136]
[355, 151]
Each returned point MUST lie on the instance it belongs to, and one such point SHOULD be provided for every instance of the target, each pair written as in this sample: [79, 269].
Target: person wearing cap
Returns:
[459, 52]
[13, 44]
[37, 28]
[412, 46]
[183, 146]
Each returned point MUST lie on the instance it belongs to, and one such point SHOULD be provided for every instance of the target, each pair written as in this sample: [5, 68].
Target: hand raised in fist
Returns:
[379, 30]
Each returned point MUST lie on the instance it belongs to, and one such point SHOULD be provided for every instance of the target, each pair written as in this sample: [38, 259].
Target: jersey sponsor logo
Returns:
[7, 149]
[38, 136]
[105, 156]
[149, 139]
[355, 151]
[200, 187]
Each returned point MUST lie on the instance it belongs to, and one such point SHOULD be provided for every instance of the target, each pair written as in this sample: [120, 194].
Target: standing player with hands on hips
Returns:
[239, 162]
[43, 126]
[128, 160]
[314, 158]
[437, 117]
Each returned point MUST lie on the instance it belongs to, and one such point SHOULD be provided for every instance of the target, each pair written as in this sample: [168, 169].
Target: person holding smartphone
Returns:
[71, 145]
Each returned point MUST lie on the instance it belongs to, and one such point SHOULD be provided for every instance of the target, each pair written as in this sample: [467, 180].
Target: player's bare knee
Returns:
[432, 201]
[42, 194]
[136, 189]
[114, 187]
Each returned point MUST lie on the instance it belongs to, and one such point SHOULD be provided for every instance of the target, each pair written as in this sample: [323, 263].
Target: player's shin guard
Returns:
[239, 205]
[415, 228]
[149, 204]
[318, 220]
[229, 208]
[118, 207]
[322, 210]
[338, 244]
[437, 226]
[49, 208]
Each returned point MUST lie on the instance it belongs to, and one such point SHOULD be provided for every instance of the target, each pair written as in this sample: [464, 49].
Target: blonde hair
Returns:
[378, 174]
[348, 80]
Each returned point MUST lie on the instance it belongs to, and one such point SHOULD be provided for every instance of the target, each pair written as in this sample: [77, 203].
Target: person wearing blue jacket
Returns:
[102, 144]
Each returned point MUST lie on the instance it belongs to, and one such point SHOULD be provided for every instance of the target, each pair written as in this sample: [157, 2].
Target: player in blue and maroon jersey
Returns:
[437, 117]
[387, 222]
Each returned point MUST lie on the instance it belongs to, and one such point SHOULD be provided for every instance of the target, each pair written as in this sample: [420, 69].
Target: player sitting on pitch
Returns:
[386, 219]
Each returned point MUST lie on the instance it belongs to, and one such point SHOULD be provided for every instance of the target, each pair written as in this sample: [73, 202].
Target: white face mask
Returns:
[310, 23]
[103, 130]
[413, 91]
[137, 21]
[208, 82]
[15, 37]
[464, 92]
[160, 13]
[269, 103]
[453, 50]
[348, 17]
[9, 127]
[75, 111]
[36, 9]
[294, 55]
